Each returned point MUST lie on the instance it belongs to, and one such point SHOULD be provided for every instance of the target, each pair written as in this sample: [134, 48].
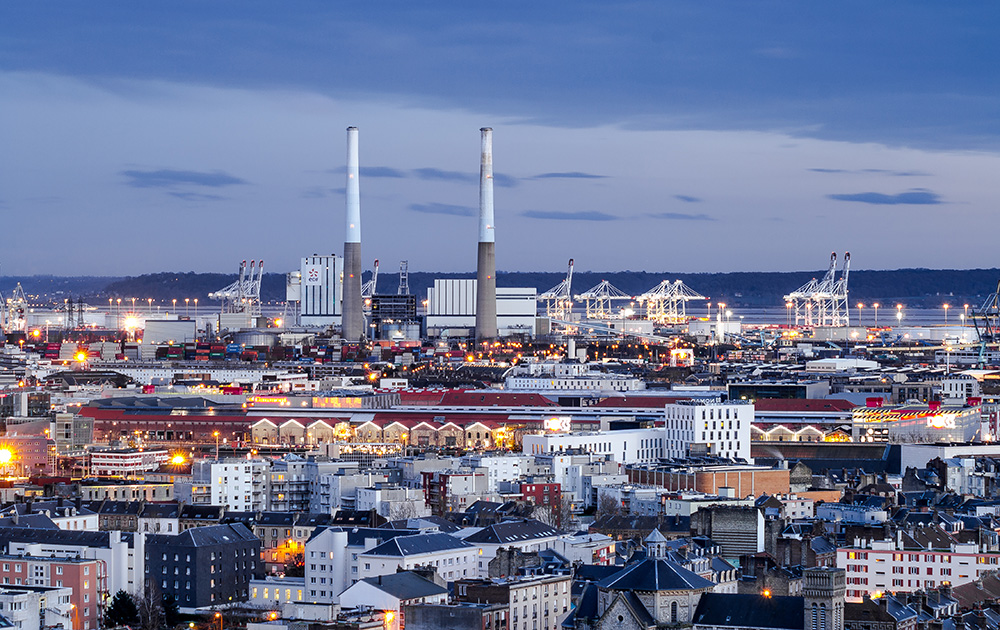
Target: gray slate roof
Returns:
[406, 585]
[656, 574]
[512, 531]
[421, 543]
[750, 611]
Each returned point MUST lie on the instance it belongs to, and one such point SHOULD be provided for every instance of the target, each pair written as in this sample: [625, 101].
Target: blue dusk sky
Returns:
[650, 135]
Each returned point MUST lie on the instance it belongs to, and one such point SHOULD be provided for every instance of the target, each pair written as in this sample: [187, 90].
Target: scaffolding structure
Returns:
[823, 302]
[242, 296]
[666, 303]
[559, 299]
[599, 300]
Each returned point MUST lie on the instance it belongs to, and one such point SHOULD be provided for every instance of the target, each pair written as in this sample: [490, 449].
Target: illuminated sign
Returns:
[557, 424]
[280, 401]
[340, 402]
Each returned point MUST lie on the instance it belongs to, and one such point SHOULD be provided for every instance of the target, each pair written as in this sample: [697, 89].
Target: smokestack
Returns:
[486, 270]
[353, 326]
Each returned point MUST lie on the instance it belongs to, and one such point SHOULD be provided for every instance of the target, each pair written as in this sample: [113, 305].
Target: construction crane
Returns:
[823, 302]
[666, 303]
[404, 278]
[559, 300]
[242, 296]
[599, 299]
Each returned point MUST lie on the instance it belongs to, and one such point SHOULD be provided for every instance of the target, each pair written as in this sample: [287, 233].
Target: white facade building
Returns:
[452, 557]
[321, 290]
[723, 428]
[126, 463]
[631, 446]
[451, 308]
[238, 484]
[882, 565]
[499, 467]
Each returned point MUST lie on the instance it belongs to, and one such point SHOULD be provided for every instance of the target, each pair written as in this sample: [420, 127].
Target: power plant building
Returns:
[321, 290]
[451, 309]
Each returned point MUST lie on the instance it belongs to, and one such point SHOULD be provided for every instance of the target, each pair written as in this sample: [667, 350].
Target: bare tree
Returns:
[607, 506]
[402, 510]
[149, 604]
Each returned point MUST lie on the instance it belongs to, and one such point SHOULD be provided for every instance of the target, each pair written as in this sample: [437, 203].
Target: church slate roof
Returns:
[656, 575]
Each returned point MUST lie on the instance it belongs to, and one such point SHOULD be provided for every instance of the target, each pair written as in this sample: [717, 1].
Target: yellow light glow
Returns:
[767, 593]
[81, 356]
[6, 455]
[177, 460]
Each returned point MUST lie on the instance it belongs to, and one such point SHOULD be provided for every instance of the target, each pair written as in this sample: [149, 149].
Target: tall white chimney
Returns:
[353, 326]
[486, 268]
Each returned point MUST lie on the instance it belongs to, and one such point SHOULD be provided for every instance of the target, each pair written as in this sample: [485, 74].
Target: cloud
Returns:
[168, 178]
[875, 171]
[443, 208]
[917, 197]
[680, 216]
[190, 196]
[321, 192]
[438, 174]
[446, 176]
[568, 175]
[373, 171]
[569, 216]
[687, 198]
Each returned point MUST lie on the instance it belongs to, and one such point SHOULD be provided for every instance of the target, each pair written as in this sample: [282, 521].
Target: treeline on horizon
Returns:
[918, 287]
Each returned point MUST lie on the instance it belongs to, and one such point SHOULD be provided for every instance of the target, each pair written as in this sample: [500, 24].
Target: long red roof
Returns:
[804, 404]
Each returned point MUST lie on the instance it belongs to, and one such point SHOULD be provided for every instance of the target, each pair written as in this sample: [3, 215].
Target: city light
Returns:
[81, 356]
[178, 460]
[6, 456]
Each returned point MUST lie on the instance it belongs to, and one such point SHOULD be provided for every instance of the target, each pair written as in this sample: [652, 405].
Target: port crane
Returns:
[15, 308]
[598, 300]
[559, 299]
[242, 296]
[823, 302]
[666, 303]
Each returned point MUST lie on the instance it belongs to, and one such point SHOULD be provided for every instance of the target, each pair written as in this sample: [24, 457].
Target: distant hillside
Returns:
[927, 287]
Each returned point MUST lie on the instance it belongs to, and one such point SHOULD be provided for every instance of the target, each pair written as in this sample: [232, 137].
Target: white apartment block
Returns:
[126, 463]
[499, 467]
[451, 557]
[885, 566]
[724, 428]
[631, 446]
[238, 484]
[539, 603]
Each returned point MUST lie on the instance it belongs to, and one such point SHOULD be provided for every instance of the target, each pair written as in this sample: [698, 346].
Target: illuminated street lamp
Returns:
[860, 306]
[216, 434]
[946, 307]
[899, 314]
[875, 306]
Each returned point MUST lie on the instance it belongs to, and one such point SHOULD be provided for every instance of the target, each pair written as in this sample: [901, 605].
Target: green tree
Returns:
[171, 611]
[121, 611]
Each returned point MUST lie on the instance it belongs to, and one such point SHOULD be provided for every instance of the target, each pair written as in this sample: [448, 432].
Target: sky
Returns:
[683, 136]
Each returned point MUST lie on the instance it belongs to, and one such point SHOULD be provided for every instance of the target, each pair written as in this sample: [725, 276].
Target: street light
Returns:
[218, 616]
[150, 300]
[899, 314]
[946, 307]
[860, 306]
[875, 306]
[216, 434]
[966, 307]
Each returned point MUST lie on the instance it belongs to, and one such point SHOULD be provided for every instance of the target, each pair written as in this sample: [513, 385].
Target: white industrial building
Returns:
[723, 428]
[542, 376]
[451, 309]
[631, 446]
[318, 289]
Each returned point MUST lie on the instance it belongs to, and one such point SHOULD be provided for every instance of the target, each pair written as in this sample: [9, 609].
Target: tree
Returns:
[121, 611]
[558, 515]
[149, 605]
[402, 510]
[171, 611]
[607, 506]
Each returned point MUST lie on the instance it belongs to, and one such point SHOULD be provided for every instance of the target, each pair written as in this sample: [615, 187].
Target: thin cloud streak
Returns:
[168, 178]
[569, 216]
[919, 197]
